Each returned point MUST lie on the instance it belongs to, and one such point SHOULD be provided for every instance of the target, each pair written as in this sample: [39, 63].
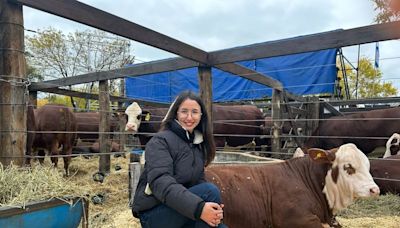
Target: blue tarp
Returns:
[301, 74]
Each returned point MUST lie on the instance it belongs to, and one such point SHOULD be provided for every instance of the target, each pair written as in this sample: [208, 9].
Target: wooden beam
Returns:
[331, 109]
[131, 71]
[92, 96]
[91, 16]
[308, 43]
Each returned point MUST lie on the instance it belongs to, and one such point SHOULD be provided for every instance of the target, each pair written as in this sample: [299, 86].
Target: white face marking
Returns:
[133, 112]
[393, 141]
[354, 179]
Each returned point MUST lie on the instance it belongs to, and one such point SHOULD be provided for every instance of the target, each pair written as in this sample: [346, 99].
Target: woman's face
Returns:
[189, 114]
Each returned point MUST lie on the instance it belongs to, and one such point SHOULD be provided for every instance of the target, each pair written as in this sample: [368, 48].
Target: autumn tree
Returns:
[368, 83]
[388, 10]
[58, 55]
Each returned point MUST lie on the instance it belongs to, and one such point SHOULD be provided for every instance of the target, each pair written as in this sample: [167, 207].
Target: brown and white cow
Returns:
[55, 128]
[386, 173]
[240, 120]
[356, 128]
[392, 146]
[300, 192]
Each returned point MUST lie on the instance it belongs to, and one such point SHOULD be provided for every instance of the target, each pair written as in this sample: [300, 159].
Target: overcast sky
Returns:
[219, 24]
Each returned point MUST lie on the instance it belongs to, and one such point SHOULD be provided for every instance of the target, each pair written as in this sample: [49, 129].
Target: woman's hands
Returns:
[212, 213]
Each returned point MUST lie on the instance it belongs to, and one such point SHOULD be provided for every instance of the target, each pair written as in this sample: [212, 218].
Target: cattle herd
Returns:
[300, 192]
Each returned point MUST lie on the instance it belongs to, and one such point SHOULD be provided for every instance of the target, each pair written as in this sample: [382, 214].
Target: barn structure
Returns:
[14, 84]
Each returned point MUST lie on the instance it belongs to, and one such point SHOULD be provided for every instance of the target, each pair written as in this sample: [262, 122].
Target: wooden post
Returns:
[205, 84]
[276, 120]
[12, 84]
[104, 138]
[134, 175]
[313, 114]
[121, 121]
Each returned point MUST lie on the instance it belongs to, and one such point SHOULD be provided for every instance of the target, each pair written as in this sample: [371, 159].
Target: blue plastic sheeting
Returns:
[301, 74]
[57, 216]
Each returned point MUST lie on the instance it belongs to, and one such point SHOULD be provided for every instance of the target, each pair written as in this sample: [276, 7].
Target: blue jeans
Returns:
[165, 217]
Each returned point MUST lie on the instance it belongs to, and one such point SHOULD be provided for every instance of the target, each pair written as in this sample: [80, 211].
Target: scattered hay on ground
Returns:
[379, 212]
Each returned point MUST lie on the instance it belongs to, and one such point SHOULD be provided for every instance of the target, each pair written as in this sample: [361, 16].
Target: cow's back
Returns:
[88, 125]
[356, 128]
[239, 120]
[57, 122]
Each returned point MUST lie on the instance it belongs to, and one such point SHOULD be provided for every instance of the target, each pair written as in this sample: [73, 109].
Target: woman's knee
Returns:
[208, 192]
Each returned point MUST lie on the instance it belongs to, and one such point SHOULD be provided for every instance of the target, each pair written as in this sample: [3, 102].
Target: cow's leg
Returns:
[28, 156]
[54, 152]
[67, 150]
[41, 154]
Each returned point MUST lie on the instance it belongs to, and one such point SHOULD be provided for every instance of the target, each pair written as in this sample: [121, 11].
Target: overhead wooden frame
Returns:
[221, 59]
[96, 18]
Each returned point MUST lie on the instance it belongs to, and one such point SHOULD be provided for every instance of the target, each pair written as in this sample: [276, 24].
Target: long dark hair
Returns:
[204, 125]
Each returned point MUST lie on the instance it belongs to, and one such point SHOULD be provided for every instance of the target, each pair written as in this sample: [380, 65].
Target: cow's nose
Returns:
[374, 191]
[130, 127]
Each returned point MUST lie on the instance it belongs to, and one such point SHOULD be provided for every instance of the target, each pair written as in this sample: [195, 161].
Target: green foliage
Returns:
[33, 74]
[369, 84]
[57, 55]
[388, 10]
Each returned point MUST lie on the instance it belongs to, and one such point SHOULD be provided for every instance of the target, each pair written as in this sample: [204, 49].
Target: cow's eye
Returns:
[139, 117]
[349, 169]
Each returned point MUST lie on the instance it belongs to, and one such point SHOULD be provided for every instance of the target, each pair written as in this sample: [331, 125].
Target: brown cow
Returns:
[237, 120]
[56, 128]
[386, 173]
[88, 125]
[300, 192]
[354, 128]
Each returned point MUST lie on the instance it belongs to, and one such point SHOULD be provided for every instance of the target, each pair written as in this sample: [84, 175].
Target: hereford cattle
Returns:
[88, 125]
[240, 120]
[392, 146]
[386, 173]
[56, 128]
[300, 192]
[355, 128]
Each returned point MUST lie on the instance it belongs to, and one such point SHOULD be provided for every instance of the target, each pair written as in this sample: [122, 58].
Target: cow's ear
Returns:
[320, 155]
[146, 116]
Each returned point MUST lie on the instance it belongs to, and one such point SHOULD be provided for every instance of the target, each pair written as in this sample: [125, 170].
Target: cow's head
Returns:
[133, 113]
[349, 177]
[392, 146]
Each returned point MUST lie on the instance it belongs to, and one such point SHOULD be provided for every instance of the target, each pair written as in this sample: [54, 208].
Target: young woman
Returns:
[172, 191]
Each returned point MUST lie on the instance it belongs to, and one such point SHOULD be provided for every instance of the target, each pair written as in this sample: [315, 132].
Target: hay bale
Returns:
[22, 185]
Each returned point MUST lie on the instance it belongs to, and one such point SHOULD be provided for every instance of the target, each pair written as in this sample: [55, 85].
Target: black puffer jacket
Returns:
[172, 165]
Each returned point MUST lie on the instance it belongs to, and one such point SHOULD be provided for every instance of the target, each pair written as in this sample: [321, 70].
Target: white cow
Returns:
[134, 112]
[392, 146]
